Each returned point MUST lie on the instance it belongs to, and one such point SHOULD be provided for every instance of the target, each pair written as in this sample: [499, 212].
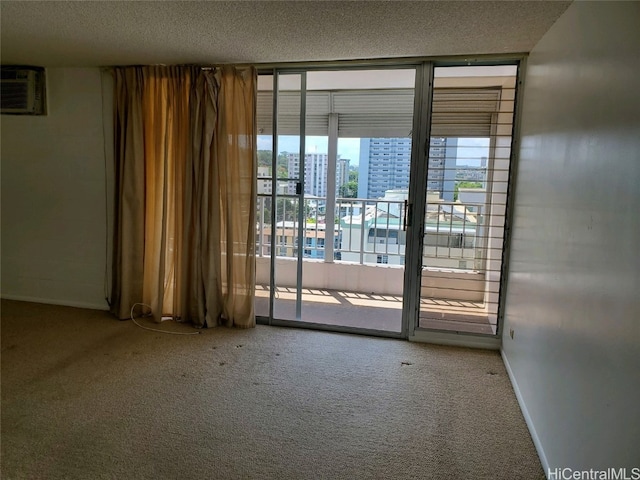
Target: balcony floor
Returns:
[371, 311]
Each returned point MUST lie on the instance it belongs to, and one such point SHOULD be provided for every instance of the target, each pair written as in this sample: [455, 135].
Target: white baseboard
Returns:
[527, 418]
[50, 301]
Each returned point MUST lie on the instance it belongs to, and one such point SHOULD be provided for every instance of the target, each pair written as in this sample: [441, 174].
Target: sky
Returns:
[347, 147]
[470, 150]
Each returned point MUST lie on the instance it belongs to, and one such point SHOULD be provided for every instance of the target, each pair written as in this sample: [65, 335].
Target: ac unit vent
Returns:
[22, 90]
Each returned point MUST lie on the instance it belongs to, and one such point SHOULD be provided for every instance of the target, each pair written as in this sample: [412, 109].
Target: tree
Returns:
[464, 184]
[285, 210]
[348, 190]
[283, 165]
[264, 158]
[282, 162]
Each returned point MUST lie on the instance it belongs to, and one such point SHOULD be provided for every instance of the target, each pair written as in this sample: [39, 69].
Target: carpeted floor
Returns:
[87, 397]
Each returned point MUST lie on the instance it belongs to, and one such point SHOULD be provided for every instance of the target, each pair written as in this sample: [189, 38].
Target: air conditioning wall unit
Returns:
[23, 90]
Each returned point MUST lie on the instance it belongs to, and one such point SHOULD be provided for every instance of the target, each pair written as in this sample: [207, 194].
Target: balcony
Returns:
[354, 276]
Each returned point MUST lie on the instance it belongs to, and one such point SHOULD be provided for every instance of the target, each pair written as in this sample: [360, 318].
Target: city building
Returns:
[286, 233]
[264, 184]
[441, 176]
[385, 165]
[342, 173]
[315, 172]
[452, 233]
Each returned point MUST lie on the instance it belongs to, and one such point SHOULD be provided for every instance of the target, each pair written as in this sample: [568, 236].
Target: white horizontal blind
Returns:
[317, 119]
[374, 113]
[379, 113]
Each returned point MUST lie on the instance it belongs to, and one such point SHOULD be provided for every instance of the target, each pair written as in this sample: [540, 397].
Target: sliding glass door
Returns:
[280, 195]
[466, 184]
[288, 215]
[340, 149]
[382, 197]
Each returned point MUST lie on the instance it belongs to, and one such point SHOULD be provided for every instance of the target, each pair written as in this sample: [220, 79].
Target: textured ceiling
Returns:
[91, 33]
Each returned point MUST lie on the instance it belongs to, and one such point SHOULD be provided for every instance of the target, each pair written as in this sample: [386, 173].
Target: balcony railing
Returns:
[370, 231]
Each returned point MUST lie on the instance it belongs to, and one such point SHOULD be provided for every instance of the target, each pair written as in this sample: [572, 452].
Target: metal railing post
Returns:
[362, 220]
[330, 212]
[261, 223]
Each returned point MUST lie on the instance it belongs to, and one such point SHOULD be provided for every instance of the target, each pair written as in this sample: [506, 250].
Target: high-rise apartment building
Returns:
[385, 165]
[315, 172]
[342, 173]
[441, 176]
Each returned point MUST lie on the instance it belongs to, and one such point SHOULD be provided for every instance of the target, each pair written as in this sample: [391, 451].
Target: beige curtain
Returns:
[185, 177]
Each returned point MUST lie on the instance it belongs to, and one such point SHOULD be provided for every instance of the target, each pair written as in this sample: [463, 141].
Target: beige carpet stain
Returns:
[85, 396]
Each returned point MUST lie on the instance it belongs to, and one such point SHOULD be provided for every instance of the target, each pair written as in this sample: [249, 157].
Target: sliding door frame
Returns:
[419, 94]
[469, 339]
[423, 90]
[417, 197]
[299, 191]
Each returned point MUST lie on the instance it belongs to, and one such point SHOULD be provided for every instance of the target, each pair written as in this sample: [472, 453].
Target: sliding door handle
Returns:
[408, 210]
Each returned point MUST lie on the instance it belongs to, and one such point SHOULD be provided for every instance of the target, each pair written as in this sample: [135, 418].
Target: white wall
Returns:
[573, 297]
[53, 194]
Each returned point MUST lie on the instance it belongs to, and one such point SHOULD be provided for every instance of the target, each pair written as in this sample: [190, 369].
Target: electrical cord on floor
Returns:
[155, 329]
